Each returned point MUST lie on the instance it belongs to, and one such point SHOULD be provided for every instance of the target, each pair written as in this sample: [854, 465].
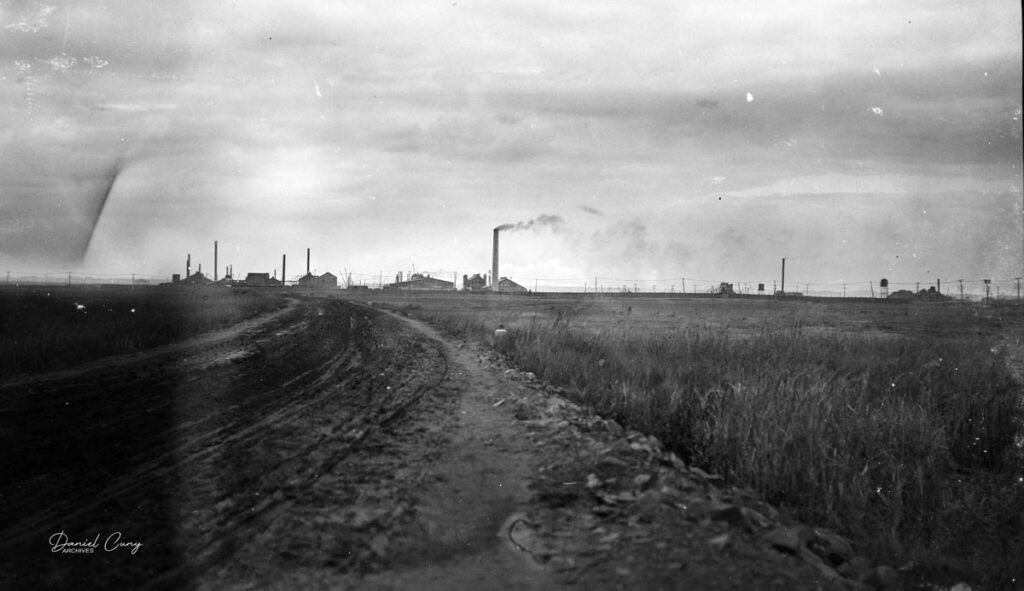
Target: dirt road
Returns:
[337, 446]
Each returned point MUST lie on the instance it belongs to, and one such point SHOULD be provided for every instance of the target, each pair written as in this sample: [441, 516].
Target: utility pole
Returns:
[783, 275]
[961, 281]
[1018, 290]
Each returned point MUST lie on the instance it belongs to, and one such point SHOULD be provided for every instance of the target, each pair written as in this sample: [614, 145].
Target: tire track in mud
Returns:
[243, 522]
[246, 440]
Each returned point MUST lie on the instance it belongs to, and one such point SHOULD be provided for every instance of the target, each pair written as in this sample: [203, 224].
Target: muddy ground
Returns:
[333, 445]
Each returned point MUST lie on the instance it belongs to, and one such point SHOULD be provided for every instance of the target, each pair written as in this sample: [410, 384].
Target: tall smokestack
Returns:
[214, 260]
[283, 260]
[494, 262]
[188, 266]
[307, 261]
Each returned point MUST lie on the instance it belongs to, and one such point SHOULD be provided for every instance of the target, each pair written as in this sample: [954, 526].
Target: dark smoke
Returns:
[552, 221]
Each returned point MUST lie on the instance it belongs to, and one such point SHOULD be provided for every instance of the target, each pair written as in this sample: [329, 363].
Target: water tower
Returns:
[884, 283]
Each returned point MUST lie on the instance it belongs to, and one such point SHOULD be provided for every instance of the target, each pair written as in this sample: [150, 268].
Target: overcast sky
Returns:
[661, 139]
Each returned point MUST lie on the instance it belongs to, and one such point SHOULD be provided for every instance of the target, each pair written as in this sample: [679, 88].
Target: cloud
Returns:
[300, 120]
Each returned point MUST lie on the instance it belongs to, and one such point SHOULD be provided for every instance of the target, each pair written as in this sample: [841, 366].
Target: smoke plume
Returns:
[552, 221]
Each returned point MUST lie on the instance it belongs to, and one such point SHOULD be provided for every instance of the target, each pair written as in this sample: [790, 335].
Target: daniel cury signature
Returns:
[61, 543]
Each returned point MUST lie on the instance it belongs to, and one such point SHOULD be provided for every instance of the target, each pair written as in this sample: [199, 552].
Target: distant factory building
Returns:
[419, 282]
[325, 281]
[474, 283]
[259, 280]
[196, 279]
[328, 281]
[506, 285]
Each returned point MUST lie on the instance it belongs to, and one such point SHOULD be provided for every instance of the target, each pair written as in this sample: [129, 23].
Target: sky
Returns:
[647, 142]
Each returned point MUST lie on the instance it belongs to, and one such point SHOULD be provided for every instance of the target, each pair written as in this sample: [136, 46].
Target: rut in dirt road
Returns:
[196, 451]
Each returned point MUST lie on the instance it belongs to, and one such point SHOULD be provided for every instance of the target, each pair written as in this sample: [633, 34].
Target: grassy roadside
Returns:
[43, 329]
[905, 442]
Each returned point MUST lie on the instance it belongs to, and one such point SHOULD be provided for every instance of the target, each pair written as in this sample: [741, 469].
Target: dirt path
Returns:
[535, 493]
[461, 538]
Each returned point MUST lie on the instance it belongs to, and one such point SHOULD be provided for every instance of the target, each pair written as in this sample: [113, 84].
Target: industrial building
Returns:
[419, 282]
[325, 281]
[506, 285]
[474, 283]
[196, 279]
[259, 280]
[328, 281]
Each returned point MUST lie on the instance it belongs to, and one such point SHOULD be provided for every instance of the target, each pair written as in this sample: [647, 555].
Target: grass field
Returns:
[46, 328]
[897, 424]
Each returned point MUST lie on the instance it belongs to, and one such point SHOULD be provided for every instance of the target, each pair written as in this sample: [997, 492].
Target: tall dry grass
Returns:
[905, 444]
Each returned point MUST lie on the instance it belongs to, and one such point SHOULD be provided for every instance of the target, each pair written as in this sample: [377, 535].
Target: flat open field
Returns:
[736, 315]
[45, 328]
[898, 424]
[253, 439]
